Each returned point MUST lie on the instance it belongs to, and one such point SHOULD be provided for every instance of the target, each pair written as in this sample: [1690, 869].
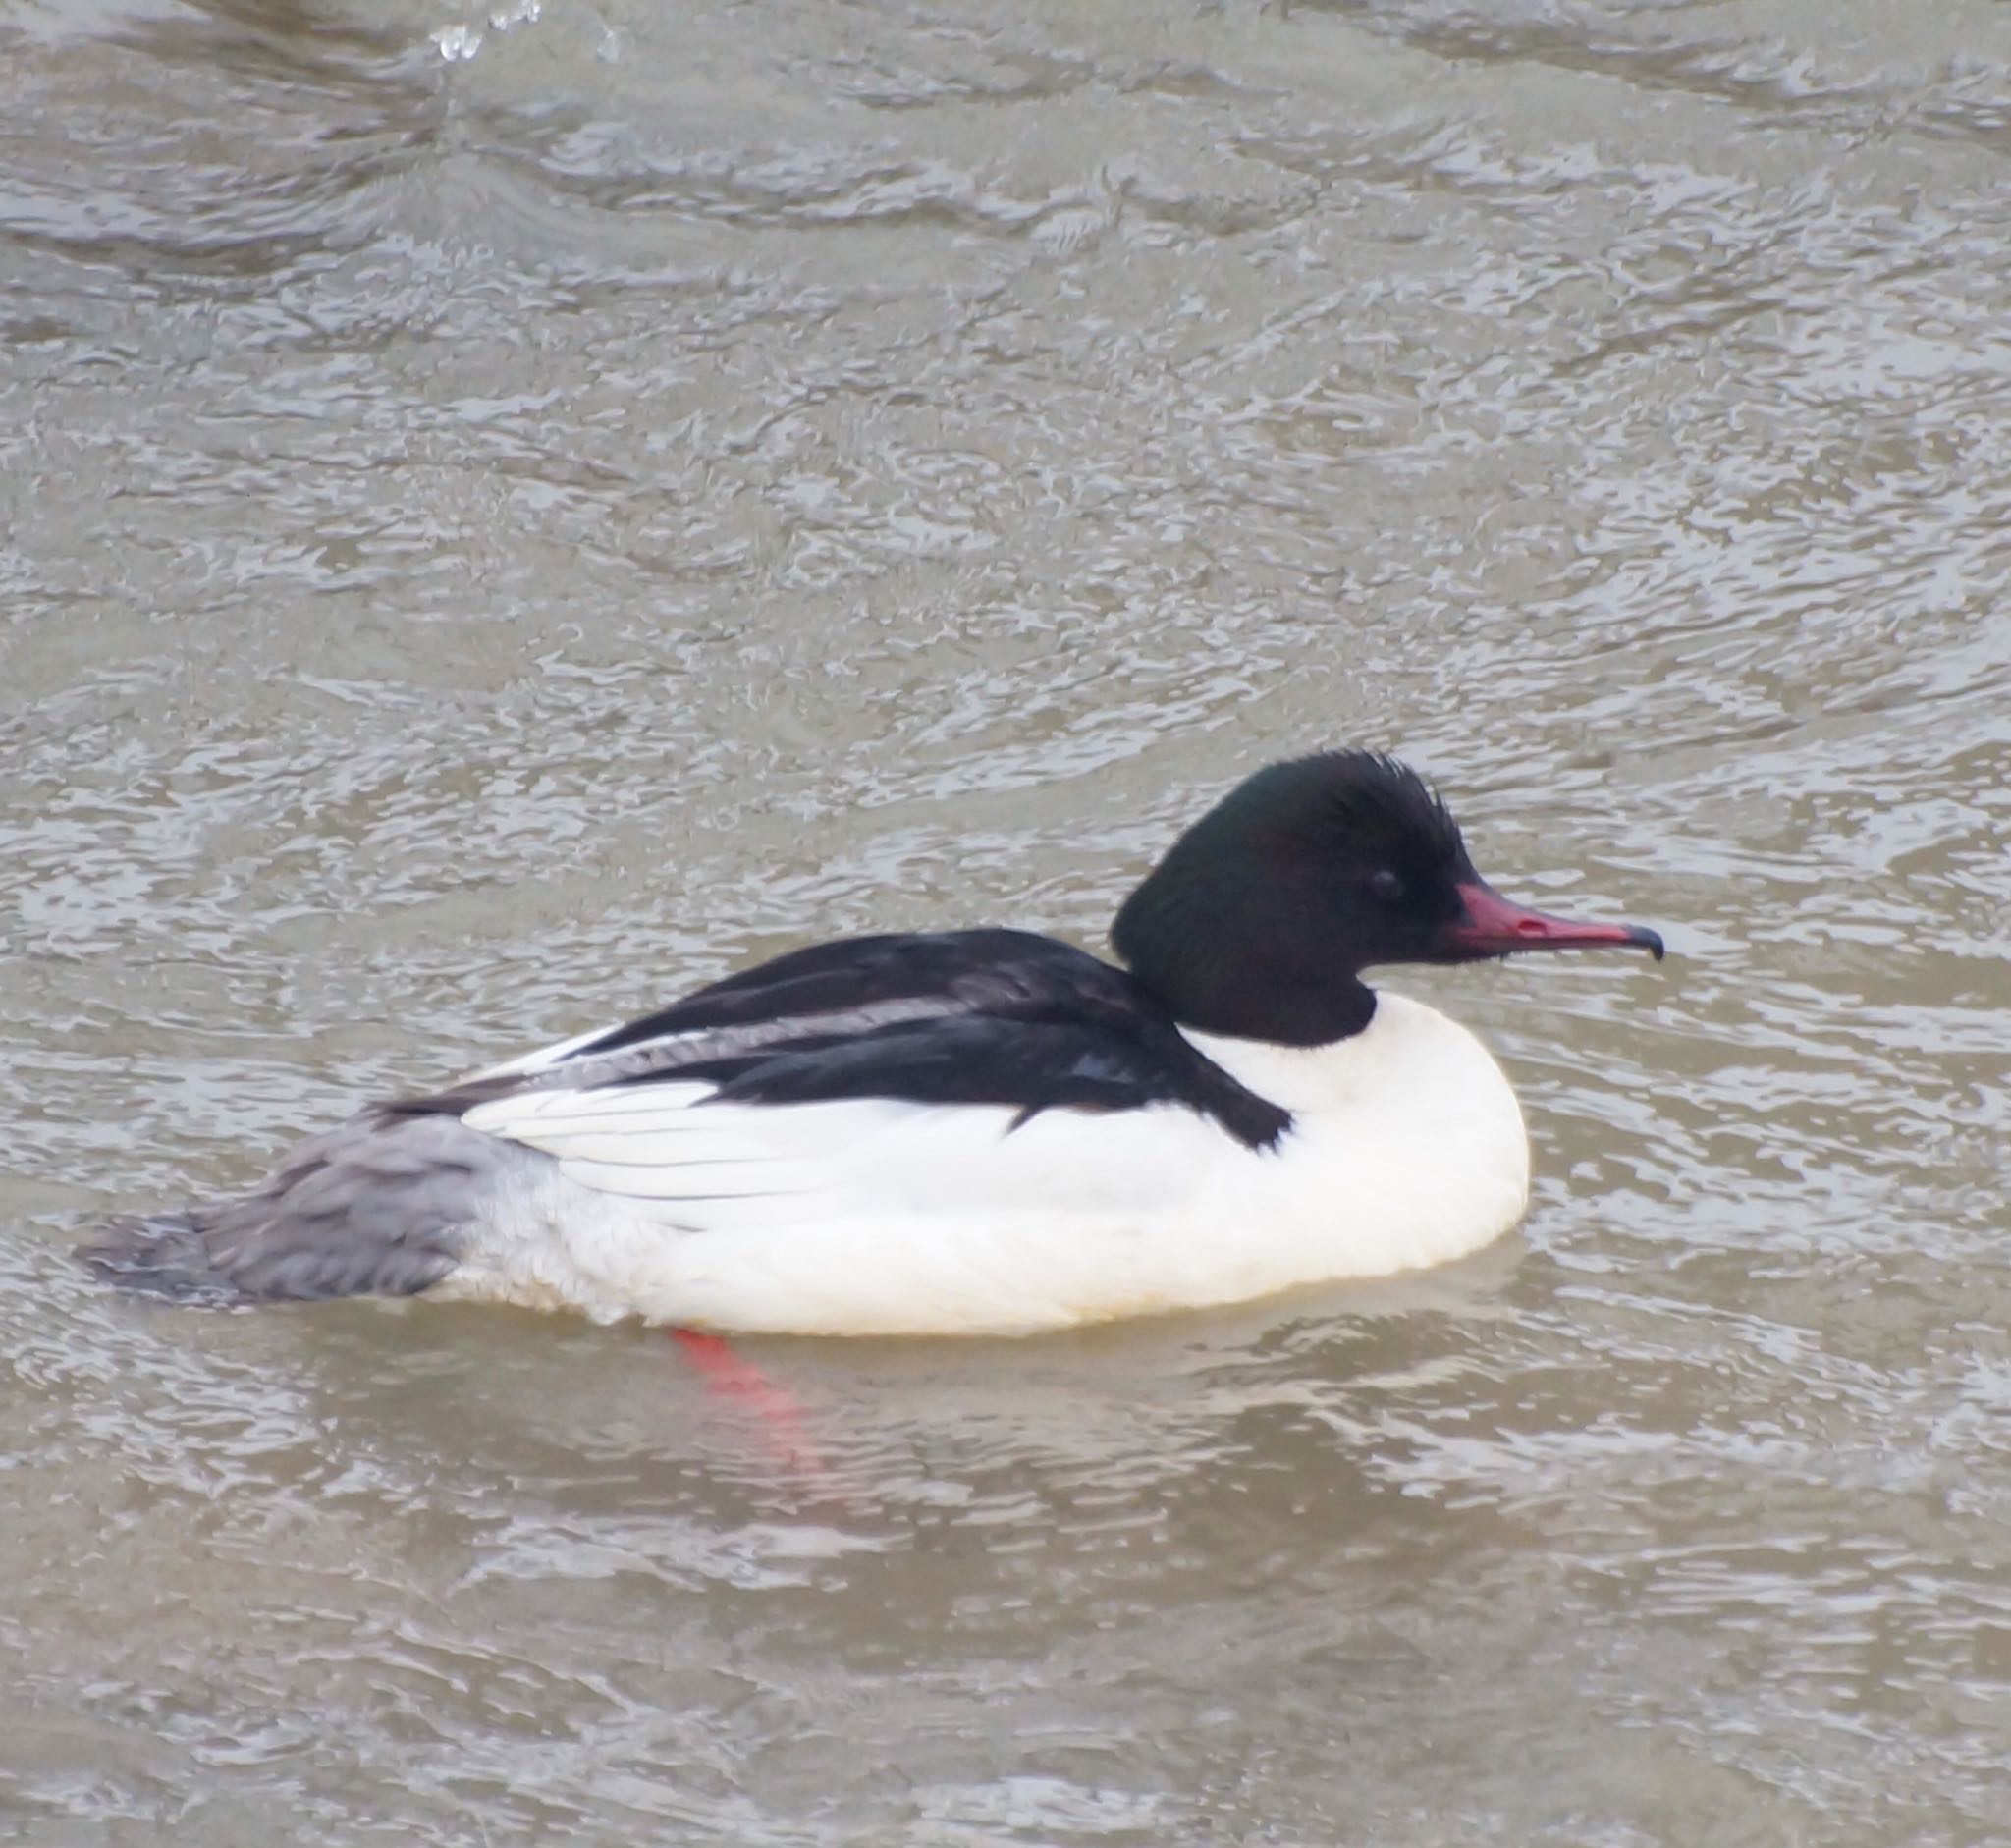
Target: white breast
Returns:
[874, 1217]
[1407, 1149]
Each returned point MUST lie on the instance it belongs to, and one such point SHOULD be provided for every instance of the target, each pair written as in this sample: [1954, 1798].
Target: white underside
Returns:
[876, 1218]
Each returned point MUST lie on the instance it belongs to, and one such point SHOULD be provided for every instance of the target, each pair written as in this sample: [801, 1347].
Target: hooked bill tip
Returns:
[1650, 940]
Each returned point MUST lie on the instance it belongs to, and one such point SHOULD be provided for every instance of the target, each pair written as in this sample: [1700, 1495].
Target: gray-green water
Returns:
[505, 518]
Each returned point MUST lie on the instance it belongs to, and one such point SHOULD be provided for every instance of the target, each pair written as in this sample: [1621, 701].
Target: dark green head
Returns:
[1261, 917]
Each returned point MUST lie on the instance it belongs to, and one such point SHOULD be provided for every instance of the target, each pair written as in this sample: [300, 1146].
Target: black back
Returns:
[990, 1016]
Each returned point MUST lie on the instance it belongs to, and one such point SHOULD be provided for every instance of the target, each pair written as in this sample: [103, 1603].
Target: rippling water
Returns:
[507, 514]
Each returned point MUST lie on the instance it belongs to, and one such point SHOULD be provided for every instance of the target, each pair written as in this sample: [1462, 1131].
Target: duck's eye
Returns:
[1384, 885]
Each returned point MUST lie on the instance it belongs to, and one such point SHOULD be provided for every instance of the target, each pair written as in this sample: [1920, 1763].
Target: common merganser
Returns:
[973, 1132]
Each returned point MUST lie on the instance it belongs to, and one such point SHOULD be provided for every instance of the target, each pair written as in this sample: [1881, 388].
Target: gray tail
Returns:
[381, 1206]
[166, 1255]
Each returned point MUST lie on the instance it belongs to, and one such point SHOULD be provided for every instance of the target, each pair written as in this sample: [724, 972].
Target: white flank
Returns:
[879, 1218]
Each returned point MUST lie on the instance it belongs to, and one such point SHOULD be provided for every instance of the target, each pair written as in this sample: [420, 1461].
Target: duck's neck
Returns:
[1257, 1008]
[1221, 965]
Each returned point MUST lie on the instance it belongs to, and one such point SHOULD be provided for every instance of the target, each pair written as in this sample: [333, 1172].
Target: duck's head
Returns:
[1261, 917]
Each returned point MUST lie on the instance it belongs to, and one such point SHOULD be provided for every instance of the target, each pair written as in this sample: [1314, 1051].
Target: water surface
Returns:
[508, 514]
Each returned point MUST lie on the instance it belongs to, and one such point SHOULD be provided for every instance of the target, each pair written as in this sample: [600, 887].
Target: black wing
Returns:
[955, 1017]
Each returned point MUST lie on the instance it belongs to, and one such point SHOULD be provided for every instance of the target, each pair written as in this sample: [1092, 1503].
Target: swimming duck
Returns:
[972, 1132]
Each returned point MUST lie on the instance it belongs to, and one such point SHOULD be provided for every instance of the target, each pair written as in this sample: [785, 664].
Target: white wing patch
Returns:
[529, 1064]
[670, 1156]
[718, 1042]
